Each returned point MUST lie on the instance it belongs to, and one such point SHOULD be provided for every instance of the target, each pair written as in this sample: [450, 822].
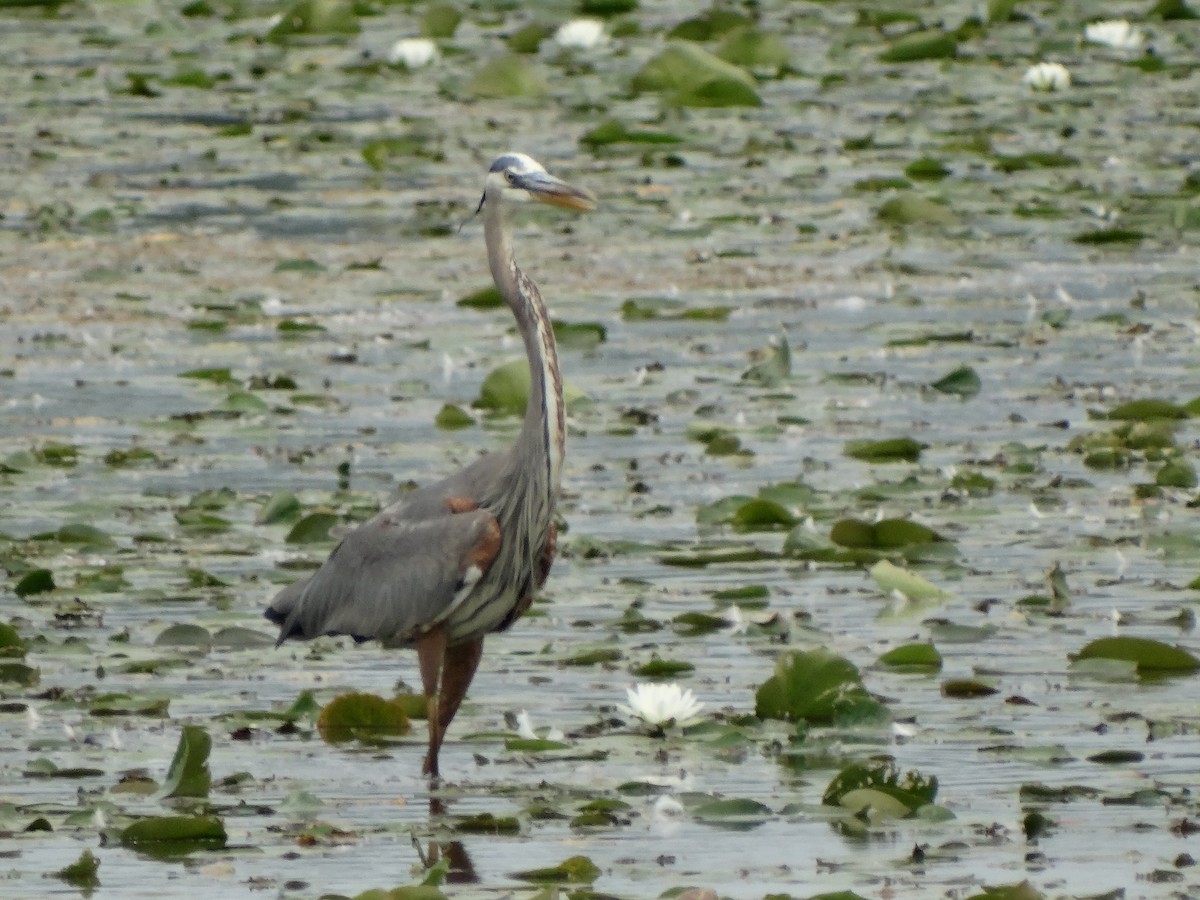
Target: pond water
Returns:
[182, 197]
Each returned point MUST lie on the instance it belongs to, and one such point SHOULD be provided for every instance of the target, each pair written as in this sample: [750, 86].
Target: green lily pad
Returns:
[362, 717]
[755, 49]
[281, 506]
[663, 668]
[1021, 891]
[911, 789]
[453, 418]
[808, 686]
[1110, 236]
[920, 45]
[613, 131]
[33, 582]
[486, 823]
[1148, 410]
[175, 835]
[891, 577]
[189, 775]
[579, 336]
[1149, 655]
[313, 528]
[886, 534]
[688, 75]
[574, 870]
[440, 21]
[506, 76]
[968, 688]
[912, 657]
[506, 389]
[913, 209]
[315, 17]
[184, 634]
[732, 810]
[83, 873]
[11, 644]
[962, 382]
[885, 451]
[485, 298]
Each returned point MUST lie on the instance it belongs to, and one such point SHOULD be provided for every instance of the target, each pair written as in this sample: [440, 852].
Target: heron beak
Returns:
[549, 189]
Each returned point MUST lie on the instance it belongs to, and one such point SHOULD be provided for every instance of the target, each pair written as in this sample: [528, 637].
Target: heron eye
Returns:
[510, 177]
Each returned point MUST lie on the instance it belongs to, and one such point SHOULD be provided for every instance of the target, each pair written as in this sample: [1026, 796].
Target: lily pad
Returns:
[507, 76]
[362, 717]
[175, 835]
[189, 775]
[33, 582]
[962, 382]
[688, 75]
[315, 17]
[912, 657]
[891, 577]
[1149, 655]
[885, 451]
[506, 389]
[313, 528]
[83, 873]
[453, 418]
[918, 45]
[574, 870]
[808, 686]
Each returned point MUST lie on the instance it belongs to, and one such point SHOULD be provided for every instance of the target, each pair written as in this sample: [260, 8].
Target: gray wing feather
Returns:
[393, 577]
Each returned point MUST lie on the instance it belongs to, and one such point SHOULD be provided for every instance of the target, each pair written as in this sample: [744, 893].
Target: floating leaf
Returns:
[912, 789]
[440, 21]
[185, 832]
[575, 870]
[486, 823]
[808, 686]
[889, 450]
[313, 528]
[453, 418]
[281, 506]
[83, 873]
[1149, 655]
[362, 717]
[963, 382]
[913, 209]
[189, 775]
[688, 75]
[1148, 410]
[968, 688]
[505, 76]
[755, 49]
[1110, 236]
[886, 534]
[732, 810]
[921, 657]
[485, 298]
[327, 17]
[216, 375]
[613, 131]
[19, 673]
[926, 169]
[506, 389]
[78, 533]
[580, 336]
[1021, 891]
[10, 641]
[33, 582]
[183, 634]
[891, 577]
[918, 45]
[663, 668]
[713, 22]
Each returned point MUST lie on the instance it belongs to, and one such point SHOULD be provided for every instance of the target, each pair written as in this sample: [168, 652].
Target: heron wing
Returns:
[392, 578]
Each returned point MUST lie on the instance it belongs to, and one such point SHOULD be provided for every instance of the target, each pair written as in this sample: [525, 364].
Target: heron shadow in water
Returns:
[451, 562]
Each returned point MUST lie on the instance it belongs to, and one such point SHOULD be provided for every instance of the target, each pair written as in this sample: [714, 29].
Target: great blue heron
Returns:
[450, 562]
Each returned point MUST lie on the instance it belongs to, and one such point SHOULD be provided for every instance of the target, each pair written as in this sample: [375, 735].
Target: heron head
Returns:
[515, 176]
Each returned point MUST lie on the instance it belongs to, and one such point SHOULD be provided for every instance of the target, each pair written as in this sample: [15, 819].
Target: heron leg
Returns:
[461, 662]
[431, 657]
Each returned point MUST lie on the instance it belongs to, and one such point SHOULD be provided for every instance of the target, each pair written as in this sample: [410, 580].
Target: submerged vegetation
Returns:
[881, 476]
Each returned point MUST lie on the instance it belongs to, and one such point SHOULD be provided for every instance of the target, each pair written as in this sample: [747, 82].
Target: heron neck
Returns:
[543, 430]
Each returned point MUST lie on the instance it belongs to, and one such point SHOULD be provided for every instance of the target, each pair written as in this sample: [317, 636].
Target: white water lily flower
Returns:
[662, 705]
[1115, 33]
[583, 34]
[412, 53]
[1048, 76]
